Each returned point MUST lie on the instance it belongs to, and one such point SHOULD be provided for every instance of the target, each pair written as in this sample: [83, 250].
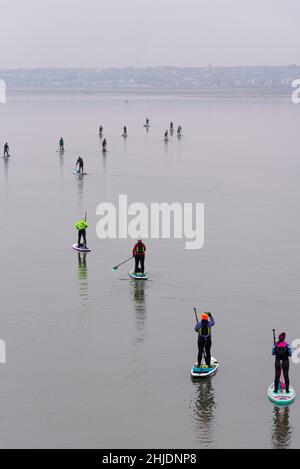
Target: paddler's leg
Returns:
[143, 264]
[207, 351]
[201, 344]
[79, 237]
[137, 260]
[277, 375]
[84, 237]
[285, 370]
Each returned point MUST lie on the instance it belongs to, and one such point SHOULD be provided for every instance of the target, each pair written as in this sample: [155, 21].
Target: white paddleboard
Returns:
[281, 397]
[138, 275]
[79, 173]
[80, 248]
[204, 371]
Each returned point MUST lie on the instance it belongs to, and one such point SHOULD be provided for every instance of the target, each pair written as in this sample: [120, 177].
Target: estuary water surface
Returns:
[96, 360]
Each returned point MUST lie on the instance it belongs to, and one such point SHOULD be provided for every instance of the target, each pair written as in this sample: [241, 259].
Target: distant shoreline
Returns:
[136, 91]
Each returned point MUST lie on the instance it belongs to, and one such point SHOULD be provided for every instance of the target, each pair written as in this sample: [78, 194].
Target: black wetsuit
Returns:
[282, 362]
[82, 234]
[80, 163]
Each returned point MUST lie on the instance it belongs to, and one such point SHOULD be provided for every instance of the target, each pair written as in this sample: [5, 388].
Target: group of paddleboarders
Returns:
[166, 134]
[281, 351]
[138, 252]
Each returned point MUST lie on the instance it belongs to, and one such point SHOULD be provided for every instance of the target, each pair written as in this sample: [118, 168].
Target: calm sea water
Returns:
[96, 360]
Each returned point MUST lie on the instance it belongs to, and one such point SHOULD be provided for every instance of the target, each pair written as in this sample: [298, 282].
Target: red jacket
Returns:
[139, 249]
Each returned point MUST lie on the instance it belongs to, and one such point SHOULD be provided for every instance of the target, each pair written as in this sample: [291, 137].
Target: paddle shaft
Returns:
[196, 316]
[117, 266]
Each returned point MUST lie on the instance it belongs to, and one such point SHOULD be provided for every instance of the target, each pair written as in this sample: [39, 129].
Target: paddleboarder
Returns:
[166, 135]
[138, 253]
[171, 127]
[61, 145]
[203, 328]
[282, 351]
[100, 131]
[104, 145]
[81, 226]
[6, 149]
[80, 164]
[125, 131]
[179, 131]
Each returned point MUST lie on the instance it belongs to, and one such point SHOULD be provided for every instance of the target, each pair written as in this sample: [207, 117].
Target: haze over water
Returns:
[97, 360]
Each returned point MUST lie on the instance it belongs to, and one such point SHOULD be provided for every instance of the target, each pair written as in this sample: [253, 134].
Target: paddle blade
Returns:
[114, 268]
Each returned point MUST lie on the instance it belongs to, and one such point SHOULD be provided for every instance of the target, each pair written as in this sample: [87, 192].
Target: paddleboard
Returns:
[281, 397]
[204, 371]
[147, 125]
[138, 275]
[79, 173]
[80, 248]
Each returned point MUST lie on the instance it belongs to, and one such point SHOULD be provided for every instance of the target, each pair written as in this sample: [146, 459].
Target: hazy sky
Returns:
[106, 33]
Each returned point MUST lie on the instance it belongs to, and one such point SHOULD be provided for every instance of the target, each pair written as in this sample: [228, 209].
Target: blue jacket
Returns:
[210, 324]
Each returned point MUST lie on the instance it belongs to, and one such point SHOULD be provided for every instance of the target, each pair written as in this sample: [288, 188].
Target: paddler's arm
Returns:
[198, 326]
[211, 320]
[274, 350]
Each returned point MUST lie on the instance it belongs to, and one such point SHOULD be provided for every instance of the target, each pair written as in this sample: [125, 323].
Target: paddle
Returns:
[117, 266]
[196, 315]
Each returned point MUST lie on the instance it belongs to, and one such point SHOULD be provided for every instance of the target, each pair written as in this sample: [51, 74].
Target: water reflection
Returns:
[6, 170]
[203, 408]
[82, 275]
[104, 153]
[281, 428]
[80, 182]
[138, 291]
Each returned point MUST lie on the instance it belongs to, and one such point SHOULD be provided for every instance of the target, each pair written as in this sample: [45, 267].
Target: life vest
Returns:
[139, 249]
[204, 331]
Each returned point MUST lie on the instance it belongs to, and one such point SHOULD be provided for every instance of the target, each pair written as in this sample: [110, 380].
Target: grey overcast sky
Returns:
[120, 33]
